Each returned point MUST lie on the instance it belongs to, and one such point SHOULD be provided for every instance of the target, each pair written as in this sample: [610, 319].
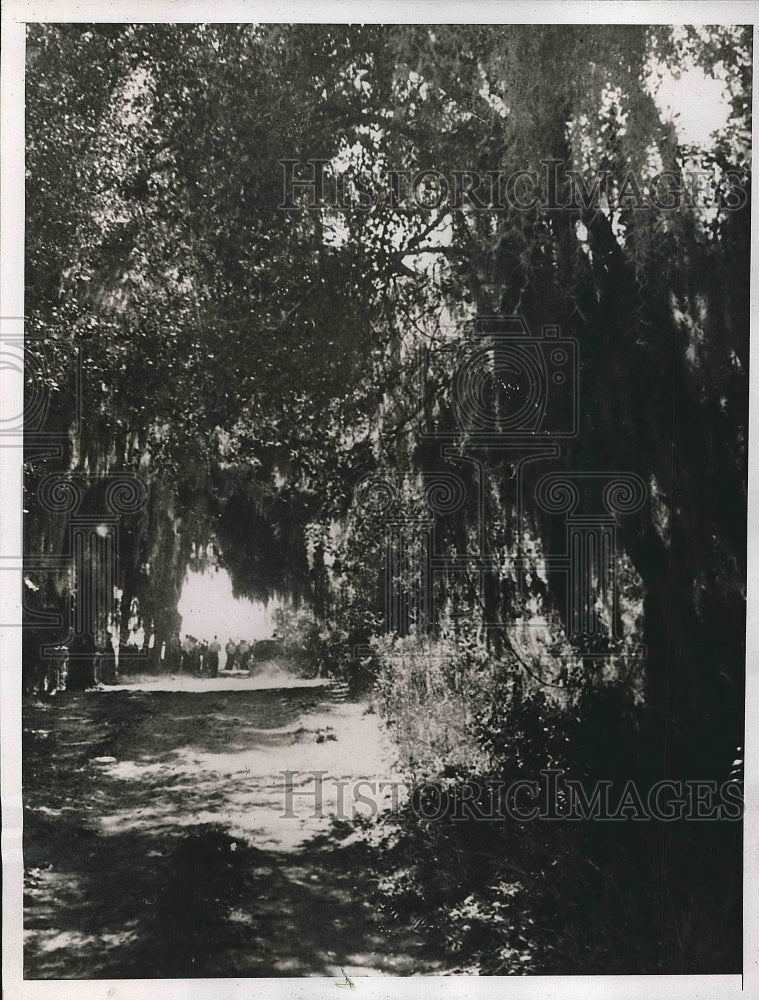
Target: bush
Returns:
[430, 695]
[505, 896]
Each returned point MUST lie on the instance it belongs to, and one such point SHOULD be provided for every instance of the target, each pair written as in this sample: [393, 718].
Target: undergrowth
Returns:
[505, 896]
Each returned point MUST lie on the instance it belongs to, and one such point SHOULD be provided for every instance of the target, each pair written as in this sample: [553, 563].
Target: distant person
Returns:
[174, 653]
[231, 650]
[244, 653]
[214, 648]
[82, 661]
[194, 655]
[187, 653]
[107, 661]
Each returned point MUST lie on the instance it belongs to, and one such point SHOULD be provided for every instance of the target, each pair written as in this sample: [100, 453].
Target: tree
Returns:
[255, 363]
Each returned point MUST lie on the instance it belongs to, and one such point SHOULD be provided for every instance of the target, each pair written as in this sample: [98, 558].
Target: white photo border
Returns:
[17, 13]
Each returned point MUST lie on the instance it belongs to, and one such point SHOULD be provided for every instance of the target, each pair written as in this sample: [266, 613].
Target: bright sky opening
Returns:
[208, 608]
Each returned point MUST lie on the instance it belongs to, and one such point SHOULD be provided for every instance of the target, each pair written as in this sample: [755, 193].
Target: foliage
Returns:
[263, 359]
[498, 895]
[563, 899]
[431, 696]
[255, 365]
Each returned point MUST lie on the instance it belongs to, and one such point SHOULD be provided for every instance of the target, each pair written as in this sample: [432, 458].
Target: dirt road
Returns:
[177, 833]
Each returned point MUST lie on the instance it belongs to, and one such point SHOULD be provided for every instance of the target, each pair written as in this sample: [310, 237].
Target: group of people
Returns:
[91, 659]
[201, 657]
[192, 656]
[238, 654]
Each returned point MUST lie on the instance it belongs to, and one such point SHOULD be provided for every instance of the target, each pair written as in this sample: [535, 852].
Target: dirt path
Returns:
[156, 844]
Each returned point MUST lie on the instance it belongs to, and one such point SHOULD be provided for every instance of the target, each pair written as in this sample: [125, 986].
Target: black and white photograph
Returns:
[375, 448]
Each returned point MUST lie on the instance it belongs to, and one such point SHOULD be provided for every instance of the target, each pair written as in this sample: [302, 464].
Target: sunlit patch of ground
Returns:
[156, 846]
[237, 681]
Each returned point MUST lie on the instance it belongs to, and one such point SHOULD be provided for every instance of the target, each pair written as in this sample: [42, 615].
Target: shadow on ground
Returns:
[157, 892]
[204, 904]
